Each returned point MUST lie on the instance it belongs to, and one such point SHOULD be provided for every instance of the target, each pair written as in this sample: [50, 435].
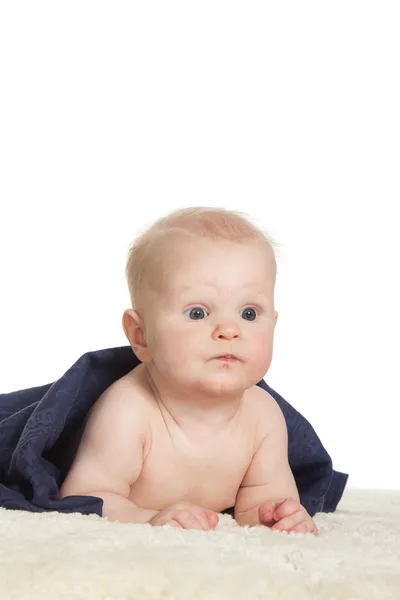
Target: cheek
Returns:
[261, 349]
[175, 345]
[189, 344]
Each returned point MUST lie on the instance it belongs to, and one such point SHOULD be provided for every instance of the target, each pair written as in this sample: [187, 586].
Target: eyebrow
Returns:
[185, 288]
[186, 293]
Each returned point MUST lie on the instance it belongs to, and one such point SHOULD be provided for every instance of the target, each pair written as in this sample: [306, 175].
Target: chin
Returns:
[225, 385]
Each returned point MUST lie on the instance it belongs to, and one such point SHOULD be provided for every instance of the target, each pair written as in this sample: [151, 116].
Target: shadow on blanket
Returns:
[40, 430]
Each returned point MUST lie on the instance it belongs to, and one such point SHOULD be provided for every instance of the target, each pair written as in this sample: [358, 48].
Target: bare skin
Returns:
[187, 433]
[196, 469]
[178, 478]
[175, 467]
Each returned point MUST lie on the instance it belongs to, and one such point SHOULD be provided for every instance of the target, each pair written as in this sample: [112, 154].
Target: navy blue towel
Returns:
[40, 430]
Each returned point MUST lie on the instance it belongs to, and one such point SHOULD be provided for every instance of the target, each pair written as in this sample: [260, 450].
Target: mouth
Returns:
[227, 357]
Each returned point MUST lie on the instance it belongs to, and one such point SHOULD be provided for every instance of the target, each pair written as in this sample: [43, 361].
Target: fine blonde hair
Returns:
[212, 224]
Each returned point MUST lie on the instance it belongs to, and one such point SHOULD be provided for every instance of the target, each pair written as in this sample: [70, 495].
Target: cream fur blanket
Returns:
[48, 556]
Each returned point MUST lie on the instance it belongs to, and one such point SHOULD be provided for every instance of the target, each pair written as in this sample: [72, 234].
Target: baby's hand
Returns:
[186, 516]
[288, 515]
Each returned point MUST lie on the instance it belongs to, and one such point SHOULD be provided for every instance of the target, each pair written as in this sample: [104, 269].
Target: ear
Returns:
[133, 327]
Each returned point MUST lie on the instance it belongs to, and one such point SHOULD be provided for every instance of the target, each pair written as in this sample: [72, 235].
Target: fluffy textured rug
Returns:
[356, 556]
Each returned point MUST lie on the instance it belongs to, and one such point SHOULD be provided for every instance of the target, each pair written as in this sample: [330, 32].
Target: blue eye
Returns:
[248, 314]
[196, 313]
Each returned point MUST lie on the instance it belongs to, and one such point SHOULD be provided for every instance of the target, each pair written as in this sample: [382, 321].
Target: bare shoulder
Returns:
[114, 443]
[266, 411]
[261, 401]
[122, 406]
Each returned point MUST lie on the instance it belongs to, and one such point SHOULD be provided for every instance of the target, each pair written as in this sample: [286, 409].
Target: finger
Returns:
[300, 528]
[213, 518]
[305, 527]
[208, 518]
[167, 517]
[266, 511]
[286, 508]
[274, 511]
[174, 523]
[202, 515]
[288, 523]
[187, 519]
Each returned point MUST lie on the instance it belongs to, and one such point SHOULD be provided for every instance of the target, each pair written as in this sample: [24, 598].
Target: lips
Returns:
[227, 357]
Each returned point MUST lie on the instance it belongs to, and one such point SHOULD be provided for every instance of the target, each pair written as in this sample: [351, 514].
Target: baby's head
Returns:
[201, 282]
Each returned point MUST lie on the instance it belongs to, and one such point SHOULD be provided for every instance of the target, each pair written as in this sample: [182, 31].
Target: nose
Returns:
[226, 331]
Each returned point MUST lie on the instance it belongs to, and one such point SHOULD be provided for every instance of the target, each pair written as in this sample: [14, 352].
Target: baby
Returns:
[188, 433]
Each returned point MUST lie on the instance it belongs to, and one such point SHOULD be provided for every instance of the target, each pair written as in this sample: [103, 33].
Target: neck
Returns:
[193, 409]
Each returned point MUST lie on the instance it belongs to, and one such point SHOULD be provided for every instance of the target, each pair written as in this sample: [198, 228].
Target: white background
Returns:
[114, 113]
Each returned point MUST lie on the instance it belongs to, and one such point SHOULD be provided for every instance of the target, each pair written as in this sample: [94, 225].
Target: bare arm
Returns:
[269, 477]
[111, 453]
[118, 508]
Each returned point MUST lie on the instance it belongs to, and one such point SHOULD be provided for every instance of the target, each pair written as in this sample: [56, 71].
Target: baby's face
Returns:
[219, 301]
